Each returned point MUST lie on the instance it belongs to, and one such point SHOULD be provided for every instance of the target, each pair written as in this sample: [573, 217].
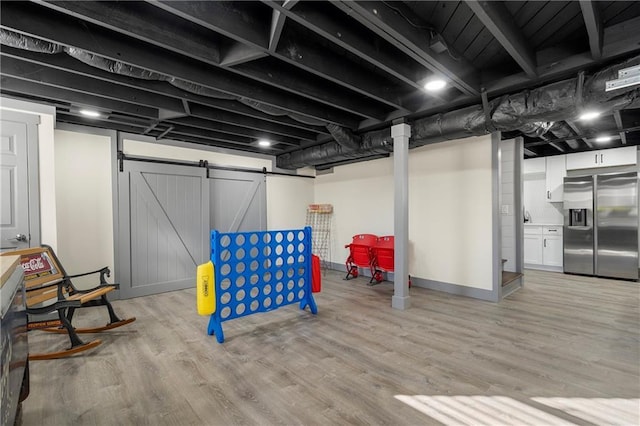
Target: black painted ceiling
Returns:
[230, 73]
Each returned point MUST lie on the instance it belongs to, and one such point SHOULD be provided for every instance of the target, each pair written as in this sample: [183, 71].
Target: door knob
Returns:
[19, 237]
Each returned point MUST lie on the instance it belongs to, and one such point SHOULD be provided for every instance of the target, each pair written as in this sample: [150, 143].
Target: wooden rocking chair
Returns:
[47, 281]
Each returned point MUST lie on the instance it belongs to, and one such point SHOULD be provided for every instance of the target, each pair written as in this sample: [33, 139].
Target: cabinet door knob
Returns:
[601, 159]
[545, 242]
[548, 194]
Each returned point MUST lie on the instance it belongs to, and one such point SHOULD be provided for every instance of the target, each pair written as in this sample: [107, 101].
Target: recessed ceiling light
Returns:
[602, 139]
[435, 85]
[89, 113]
[589, 115]
[264, 142]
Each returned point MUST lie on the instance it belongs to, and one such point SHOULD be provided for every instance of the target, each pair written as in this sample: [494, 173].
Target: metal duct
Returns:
[562, 131]
[20, 41]
[307, 120]
[200, 90]
[532, 110]
[115, 67]
[378, 142]
[267, 109]
[345, 138]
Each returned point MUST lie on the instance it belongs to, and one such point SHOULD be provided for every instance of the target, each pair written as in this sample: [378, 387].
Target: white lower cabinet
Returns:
[543, 247]
[552, 250]
[533, 249]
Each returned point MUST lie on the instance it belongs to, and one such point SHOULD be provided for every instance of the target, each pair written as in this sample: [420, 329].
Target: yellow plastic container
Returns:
[206, 289]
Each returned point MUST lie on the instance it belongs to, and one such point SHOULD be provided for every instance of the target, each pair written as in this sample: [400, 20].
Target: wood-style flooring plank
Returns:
[561, 339]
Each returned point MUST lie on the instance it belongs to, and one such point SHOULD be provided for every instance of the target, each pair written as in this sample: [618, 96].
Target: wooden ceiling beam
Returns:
[42, 23]
[385, 22]
[24, 87]
[497, 19]
[231, 21]
[115, 18]
[68, 64]
[135, 23]
[53, 77]
[594, 26]
[92, 122]
[309, 16]
[577, 132]
[618, 119]
[277, 23]
[203, 121]
[620, 39]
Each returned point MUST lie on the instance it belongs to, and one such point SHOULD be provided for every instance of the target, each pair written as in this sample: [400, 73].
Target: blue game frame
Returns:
[259, 272]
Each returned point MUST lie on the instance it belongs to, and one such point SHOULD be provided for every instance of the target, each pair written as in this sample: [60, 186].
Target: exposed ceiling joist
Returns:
[235, 54]
[201, 121]
[387, 23]
[232, 20]
[594, 26]
[137, 24]
[497, 19]
[277, 23]
[577, 132]
[35, 21]
[65, 63]
[309, 15]
[17, 68]
[24, 87]
[618, 118]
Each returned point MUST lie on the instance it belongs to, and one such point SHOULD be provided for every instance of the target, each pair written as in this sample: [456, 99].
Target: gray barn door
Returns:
[164, 227]
[19, 207]
[238, 201]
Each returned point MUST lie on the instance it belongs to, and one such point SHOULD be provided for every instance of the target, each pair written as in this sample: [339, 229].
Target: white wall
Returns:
[47, 174]
[84, 202]
[362, 198]
[287, 201]
[507, 204]
[450, 209]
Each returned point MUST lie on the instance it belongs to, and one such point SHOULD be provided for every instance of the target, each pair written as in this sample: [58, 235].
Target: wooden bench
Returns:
[49, 289]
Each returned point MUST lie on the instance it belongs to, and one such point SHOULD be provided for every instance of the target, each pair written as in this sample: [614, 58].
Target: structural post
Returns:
[400, 134]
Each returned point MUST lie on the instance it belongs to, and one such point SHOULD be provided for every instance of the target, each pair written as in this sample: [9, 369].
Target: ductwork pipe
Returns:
[344, 137]
[532, 110]
[378, 142]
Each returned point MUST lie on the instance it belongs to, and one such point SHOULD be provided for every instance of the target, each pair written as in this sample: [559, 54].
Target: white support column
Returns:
[400, 134]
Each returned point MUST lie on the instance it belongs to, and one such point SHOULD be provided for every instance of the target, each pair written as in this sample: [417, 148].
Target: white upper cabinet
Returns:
[556, 171]
[533, 166]
[603, 158]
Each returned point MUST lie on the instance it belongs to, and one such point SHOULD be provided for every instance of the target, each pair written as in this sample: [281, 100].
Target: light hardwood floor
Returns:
[562, 349]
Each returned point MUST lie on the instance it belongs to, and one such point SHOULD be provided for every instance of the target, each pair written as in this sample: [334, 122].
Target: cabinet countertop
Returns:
[542, 224]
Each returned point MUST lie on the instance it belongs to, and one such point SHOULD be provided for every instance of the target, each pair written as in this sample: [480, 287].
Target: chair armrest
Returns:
[103, 272]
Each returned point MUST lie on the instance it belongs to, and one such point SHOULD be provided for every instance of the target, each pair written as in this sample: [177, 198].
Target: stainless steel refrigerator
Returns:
[601, 225]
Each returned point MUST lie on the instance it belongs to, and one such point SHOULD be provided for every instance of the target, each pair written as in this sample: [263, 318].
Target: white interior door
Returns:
[164, 227]
[18, 184]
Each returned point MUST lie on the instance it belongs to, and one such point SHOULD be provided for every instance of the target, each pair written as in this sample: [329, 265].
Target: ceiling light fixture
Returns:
[264, 142]
[603, 139]
[589, 115]
[435, 85]
[90, 113]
